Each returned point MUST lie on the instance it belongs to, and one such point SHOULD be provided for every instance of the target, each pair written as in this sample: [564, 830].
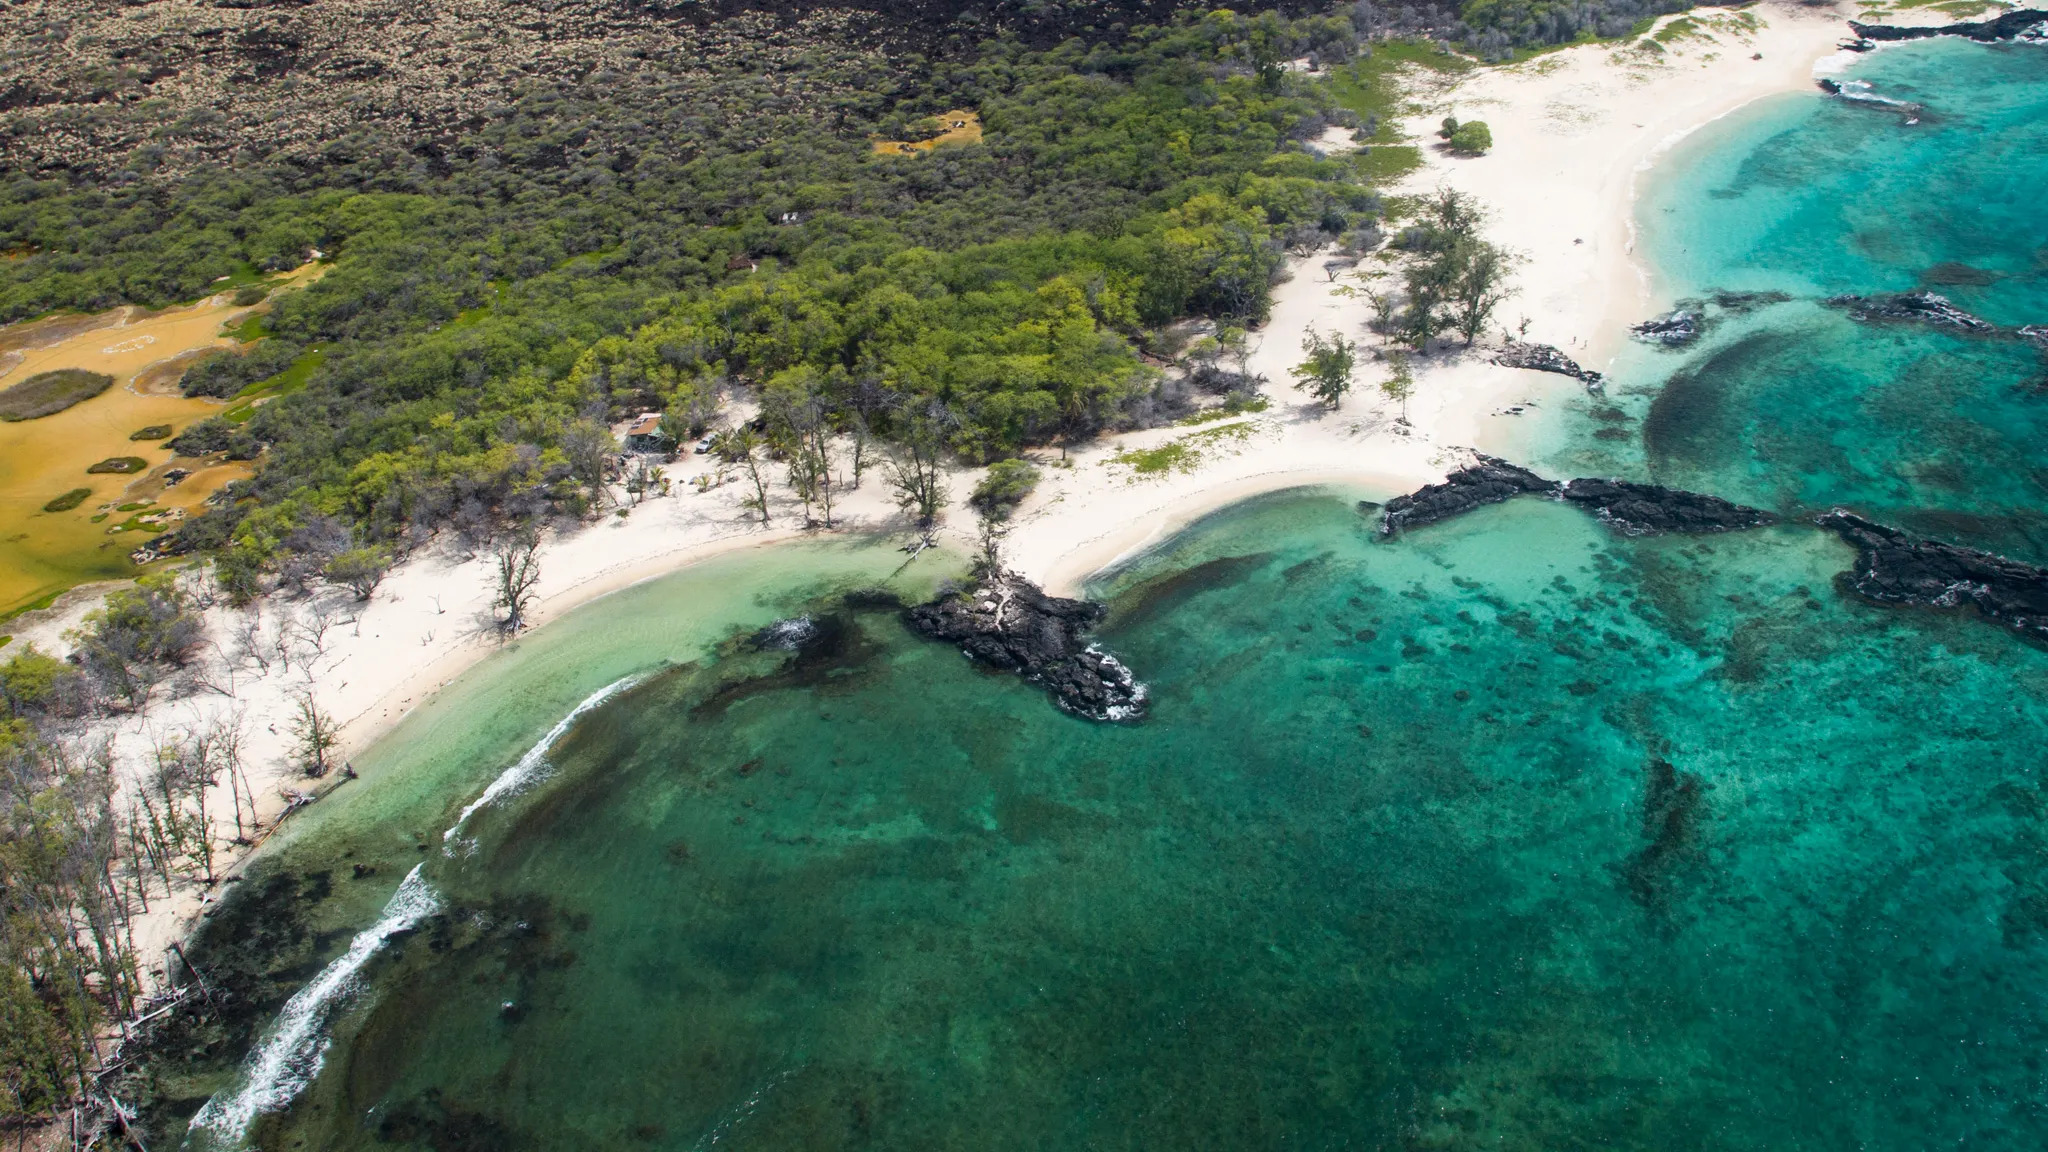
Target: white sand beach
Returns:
[1573, 130]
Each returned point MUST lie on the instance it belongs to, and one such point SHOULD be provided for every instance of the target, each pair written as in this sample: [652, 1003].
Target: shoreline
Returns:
[1094, 510]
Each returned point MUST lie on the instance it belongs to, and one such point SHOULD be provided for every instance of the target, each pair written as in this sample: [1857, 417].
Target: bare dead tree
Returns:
[516, 571]
[314, 735]
[247, 635]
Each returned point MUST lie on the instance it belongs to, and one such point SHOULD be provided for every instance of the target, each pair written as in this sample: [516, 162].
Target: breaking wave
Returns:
[290, 1054]
[531, 766]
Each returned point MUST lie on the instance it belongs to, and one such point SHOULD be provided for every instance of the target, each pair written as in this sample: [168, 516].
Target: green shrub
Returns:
[1007, 484]
[118, 465]
[153, 432]
[68, 501]
[47, 393]
[253, 294]
[1472, 138]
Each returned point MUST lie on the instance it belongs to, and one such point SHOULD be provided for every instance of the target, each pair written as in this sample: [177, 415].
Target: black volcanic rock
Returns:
[1640, 509]
[2006, 27]
[1672, 330]
[1490, 481]
[1894, 568]
[1009, 623]
[1920, 307]
[1544, 358]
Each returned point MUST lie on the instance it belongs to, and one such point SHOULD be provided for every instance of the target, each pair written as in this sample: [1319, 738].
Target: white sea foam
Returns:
[290, 1054]
[532, 766]
[1838, 63]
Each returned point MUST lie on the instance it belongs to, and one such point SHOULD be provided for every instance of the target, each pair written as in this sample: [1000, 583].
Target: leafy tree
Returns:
[1480, 285]
[995, 499]
[1326, 373]
[142, 631]
[1456, 280]
[1400, 382]
[796, 407]
[359, 570]
[916, 464]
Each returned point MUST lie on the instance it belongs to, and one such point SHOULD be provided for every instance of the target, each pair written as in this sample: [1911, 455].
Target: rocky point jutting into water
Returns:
[2022, 24]
[1894, 568]
[1007, 622]
[1640, 509]
[1489, 481]
[1637, 509]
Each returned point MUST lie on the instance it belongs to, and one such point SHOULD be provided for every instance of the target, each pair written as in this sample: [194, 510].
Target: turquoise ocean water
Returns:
[1511, 833]
[1794, 406]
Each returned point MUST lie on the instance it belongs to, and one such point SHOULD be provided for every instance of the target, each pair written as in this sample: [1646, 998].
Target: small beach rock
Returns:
[1862, 92]
[1894, 568]
[1490, 481]
[1009, 623]
[1544, 358]
[1640, 509]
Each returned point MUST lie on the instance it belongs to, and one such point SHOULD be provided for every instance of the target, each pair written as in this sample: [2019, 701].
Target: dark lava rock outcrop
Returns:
[2006, 27]
[1672, 330]
[1636, 509]
[1895, 568]
[1007, 622]
[1641, 509]
[1544, 358]
[1490, 481]
[1919, 307]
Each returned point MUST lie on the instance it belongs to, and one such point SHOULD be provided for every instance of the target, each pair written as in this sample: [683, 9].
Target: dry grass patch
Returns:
[956, 127]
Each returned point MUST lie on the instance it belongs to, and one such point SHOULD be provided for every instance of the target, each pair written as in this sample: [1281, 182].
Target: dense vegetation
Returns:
[488, 312]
